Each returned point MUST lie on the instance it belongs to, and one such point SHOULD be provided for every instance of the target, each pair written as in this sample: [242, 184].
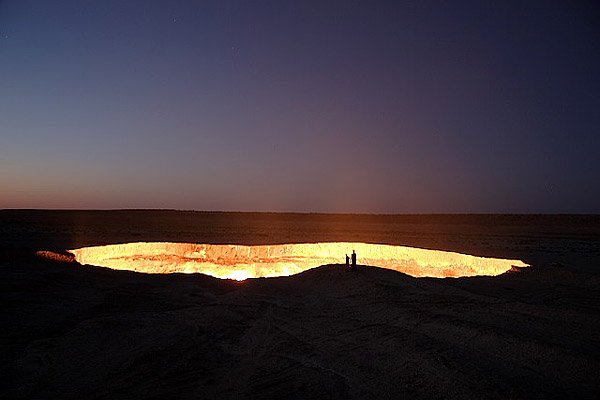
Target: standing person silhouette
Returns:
[353, 260]
[347, 263]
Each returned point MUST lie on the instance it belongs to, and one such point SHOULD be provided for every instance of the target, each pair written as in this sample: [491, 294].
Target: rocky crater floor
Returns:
[241, 262]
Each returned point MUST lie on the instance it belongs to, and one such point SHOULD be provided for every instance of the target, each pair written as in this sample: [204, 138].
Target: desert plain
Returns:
[81, 331]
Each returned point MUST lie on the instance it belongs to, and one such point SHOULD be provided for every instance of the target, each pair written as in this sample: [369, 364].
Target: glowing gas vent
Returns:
[241, 262]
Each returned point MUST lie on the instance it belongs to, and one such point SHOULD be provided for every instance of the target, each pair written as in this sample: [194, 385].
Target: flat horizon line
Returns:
[286, 212]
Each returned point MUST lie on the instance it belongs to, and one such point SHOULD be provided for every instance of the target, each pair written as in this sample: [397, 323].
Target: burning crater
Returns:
[241, 262]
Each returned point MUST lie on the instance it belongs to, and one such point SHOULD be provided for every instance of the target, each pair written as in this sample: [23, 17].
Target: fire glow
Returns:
[242, 262]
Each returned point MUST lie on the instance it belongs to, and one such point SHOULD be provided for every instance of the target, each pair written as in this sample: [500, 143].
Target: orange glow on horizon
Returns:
[241, 262]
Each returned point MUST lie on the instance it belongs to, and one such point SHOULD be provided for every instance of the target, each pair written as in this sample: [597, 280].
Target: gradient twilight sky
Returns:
[325, 106]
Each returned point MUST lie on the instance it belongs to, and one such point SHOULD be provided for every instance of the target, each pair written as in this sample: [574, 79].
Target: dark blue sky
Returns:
[328, 106]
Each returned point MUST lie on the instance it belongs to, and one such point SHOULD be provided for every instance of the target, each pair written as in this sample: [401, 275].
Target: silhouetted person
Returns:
[347, 263]
[353, 260]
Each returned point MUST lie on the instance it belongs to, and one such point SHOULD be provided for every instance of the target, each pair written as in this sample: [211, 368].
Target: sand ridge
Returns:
[93, 332]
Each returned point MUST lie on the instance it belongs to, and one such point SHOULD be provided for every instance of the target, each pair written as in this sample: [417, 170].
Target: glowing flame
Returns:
[242, 262]
[237, 275]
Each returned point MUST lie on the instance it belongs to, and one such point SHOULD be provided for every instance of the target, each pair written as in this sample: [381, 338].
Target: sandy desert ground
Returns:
[72, 331]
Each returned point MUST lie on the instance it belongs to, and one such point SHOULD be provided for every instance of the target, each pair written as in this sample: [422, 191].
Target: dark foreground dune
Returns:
[72, 331]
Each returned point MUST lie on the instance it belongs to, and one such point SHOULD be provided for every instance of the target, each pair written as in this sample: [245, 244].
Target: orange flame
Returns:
[242, 262]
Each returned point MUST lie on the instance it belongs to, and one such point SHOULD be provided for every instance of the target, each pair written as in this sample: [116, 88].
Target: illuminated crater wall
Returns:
[241, 262]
